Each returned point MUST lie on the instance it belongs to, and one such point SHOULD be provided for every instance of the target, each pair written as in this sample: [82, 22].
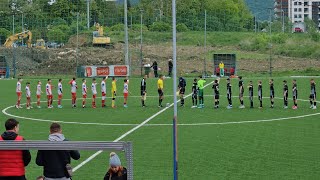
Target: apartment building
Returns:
[300, 10]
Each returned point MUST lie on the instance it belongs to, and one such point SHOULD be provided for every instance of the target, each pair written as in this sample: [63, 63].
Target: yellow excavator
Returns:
[25, 34]
[99, 40]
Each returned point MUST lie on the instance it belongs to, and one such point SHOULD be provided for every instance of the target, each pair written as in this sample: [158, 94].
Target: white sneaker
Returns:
[39, 107]
[31, 107]
[193, 106]
[17, 106]
[49, 107]
[20, 107]
[314, 107]
[28, 107]
[311, 107]
[242, 107]
[285, 107]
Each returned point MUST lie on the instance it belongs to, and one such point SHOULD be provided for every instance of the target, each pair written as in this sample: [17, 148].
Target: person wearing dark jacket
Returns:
[54, 162]
[116, 171]
[13, 162]
[155, 68]
[170, 64]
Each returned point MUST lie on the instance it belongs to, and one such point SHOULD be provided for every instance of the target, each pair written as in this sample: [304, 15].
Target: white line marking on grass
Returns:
[4, 111]
[129, 132]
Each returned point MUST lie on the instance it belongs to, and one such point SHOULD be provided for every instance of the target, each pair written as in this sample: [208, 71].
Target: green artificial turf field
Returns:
[213, 143]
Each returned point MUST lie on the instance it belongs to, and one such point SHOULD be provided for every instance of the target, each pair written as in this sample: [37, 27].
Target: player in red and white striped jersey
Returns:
[19, 93]
[49, 93]
[125, 92]
[59, 93]
[74, 88]
[104, 91]
[94, 92]
[39, 92]
[84, 93]
[28, 95]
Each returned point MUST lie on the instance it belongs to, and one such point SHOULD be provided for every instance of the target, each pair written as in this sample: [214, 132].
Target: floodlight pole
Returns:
[88, 14]
[175, 107]
[205, 44]
[270, 43]
[141, 55]
[77, 51]
[126, 34]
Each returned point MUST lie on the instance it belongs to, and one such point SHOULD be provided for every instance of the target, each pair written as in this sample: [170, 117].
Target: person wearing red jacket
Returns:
[13, 162]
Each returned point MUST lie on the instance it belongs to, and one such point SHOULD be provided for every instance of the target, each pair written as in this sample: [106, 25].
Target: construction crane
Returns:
[25, 34]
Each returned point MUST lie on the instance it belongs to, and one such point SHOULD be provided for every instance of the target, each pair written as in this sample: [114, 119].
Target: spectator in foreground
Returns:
[116, 171]
[13, 162]
[56, 164]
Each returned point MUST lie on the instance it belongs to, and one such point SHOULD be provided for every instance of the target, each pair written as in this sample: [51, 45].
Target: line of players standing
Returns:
[197, 91]
[74, 87]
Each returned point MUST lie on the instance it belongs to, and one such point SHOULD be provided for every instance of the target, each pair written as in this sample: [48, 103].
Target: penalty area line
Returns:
[129, 132]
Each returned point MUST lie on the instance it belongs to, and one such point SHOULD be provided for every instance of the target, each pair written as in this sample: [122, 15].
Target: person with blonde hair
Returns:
[115, 171]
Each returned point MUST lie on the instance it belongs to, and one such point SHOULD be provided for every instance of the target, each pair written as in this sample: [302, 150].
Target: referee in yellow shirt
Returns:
[221, 67]
[160, 90]
[113, 91]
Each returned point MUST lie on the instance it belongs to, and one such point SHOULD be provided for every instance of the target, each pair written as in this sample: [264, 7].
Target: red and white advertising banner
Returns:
[101, 71]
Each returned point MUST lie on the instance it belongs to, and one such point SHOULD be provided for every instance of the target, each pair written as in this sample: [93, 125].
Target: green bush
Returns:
[4, 32]
[137, 27]
[181, 27]
[279, 38]
[57, 35]
[59, 21]
[117, 27]
[160, 27]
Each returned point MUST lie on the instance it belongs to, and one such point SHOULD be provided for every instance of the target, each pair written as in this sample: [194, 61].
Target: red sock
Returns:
[103, 102]
[18, 102]
[48, 103]
[83, 102]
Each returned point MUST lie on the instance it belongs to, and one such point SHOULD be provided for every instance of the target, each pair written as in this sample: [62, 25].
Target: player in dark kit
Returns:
[294, 94]
[143, 89]
[229, 94]
[250, 87]
[285, 94]
[241, 91]
[313, 95]
[215, 88]
[194, 94]
[182, 89]
[260, 93]
[271, 93]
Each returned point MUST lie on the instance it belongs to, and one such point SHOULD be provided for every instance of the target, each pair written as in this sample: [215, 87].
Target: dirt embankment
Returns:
[190, 59]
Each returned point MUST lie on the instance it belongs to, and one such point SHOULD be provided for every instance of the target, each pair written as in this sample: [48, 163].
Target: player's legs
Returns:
[295, 102]
[94, 101]
[18, 100]
[103, 100]
[160, 92]
[241, 100]
[125, 99]
[251, 101]
[84, 97]
[272, 100]
[315, 101]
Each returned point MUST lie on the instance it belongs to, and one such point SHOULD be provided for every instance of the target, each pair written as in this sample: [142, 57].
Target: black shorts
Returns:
[160, 92]
[312, 96]
[182, 90]
[217, 96]
[143, 93]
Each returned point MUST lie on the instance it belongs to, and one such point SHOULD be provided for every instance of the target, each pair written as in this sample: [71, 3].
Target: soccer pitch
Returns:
[213, 143]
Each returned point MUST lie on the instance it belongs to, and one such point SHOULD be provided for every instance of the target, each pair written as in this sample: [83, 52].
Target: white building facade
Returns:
[300, 10]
